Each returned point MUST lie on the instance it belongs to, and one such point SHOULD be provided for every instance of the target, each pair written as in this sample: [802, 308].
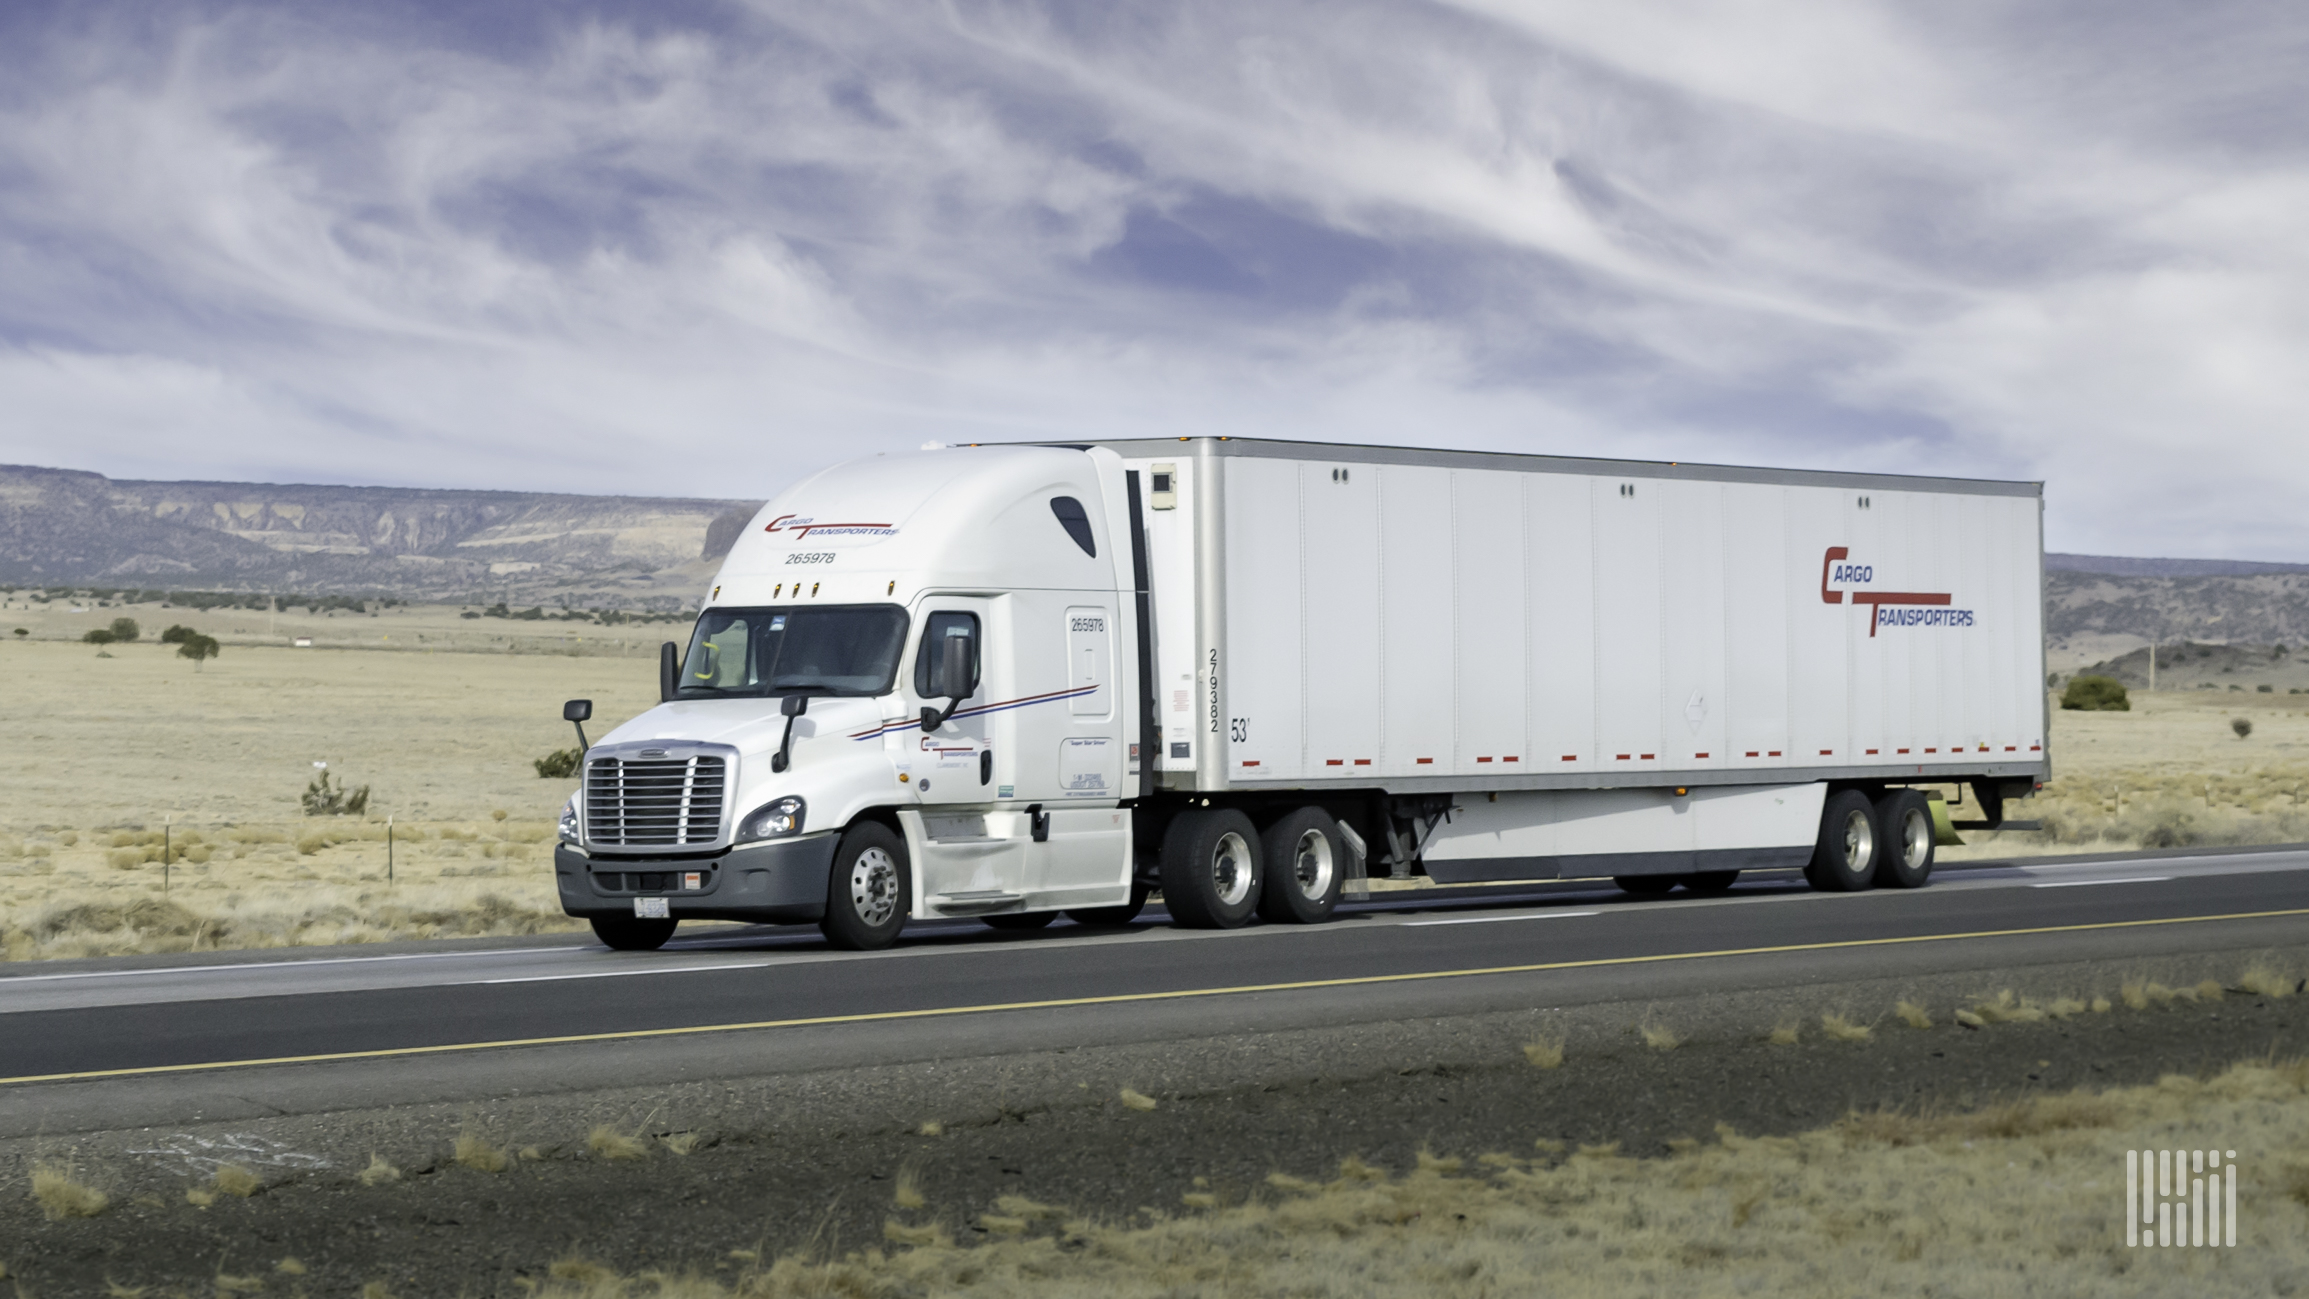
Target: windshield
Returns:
[833, 650]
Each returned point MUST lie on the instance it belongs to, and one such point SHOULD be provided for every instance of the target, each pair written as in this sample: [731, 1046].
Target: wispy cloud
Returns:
[705, 249]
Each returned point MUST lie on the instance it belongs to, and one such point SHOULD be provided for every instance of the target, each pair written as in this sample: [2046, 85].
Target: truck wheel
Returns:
[1114, 917]
[868, 889]
[1021, 919]
[1844, 860]
[1909, 841]
[1709, 881]
[626, 934]
[1645, 886]
[1210, 868]
[1305, 868]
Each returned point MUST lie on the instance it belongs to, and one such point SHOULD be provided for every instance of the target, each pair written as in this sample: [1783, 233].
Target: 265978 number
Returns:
[811, 557]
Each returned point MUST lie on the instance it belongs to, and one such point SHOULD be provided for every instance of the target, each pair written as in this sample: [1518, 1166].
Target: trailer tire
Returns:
[1020, 920]
[1305, 869]
[1909, 839]
[1210, 868]
[1645, 886]
[1114, 917]
[1709, 881]
[868, 889]
[628, 934]
[1851, 843]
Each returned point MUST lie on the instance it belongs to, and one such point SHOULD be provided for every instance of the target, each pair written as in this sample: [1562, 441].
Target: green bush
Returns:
[99, 636]
[176, 634]
[197, 647]
[560, 764]
[125, 630]
[2096, 695]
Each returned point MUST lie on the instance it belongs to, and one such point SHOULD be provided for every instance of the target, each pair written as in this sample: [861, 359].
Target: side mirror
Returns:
[954, 661]
[668, 671]
[793, 705]
[575, 712]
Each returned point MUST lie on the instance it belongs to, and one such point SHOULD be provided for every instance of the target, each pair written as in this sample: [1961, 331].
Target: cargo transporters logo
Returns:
[1839, 578]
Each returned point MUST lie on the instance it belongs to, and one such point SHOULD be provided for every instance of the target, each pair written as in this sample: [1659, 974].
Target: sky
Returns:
[703, 247]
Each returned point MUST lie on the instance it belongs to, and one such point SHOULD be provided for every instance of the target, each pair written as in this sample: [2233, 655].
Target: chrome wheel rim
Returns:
[874, 887]
[1311, 866]
[1915, 838]
[1859, 843]
[1231, 869]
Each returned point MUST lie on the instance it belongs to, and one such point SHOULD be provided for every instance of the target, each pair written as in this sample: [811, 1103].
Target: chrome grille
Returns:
[654, 802]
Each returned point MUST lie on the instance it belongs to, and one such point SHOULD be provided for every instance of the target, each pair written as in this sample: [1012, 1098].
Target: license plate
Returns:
[649, 909]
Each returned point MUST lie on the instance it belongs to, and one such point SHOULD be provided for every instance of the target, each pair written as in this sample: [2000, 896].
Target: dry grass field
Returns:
[111, 754]
[441, 717]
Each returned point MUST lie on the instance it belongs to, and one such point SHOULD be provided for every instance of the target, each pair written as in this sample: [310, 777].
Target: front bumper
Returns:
[781, 882]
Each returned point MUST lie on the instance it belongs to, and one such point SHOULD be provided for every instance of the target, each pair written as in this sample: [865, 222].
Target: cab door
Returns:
[964, 861]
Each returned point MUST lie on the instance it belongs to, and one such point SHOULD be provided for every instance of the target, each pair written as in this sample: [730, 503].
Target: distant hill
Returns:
[65, 527]
[2123, 566]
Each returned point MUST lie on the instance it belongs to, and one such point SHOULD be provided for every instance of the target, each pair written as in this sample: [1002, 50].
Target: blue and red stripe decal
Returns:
[915, 723]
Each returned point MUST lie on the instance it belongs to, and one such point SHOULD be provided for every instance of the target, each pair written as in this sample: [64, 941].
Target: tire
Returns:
[1210, 868]
[627, 934]
[1021, 920]
[1114, 917]
[868, 889]
[1709, 881]
[1645, 886]
[1844, 860]
[1305, 868]
[1910, 840]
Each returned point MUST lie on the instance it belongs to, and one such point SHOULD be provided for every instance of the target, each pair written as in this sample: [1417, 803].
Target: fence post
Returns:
[388, 850]
[167, 825]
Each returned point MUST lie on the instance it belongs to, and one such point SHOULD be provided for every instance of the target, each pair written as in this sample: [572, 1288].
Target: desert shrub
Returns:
[322, 798]
[22, 632]
[98, 636]
[125, 630]
[198, 647]
[2242, 726]
[2096, 694]
[560, 764]
[176, 633]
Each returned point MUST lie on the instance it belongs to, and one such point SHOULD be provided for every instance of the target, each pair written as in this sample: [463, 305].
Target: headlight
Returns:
[775, 821]
[569, 821]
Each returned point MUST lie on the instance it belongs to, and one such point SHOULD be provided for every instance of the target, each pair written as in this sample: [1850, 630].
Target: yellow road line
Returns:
[1118, 998]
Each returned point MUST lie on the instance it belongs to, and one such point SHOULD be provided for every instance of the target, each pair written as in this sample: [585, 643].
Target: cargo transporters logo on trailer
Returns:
[1839, 578]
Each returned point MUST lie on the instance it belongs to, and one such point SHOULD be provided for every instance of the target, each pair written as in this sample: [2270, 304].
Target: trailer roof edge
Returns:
[1351, 453]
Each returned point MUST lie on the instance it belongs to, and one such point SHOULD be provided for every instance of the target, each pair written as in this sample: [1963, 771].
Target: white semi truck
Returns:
[1010, 682]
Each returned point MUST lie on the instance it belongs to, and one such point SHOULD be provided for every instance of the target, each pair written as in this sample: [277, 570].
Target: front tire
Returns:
[1305, 869]
[1910, 839]
[868, 889]
[1210, 868]
[627, 934]
[1844, 860]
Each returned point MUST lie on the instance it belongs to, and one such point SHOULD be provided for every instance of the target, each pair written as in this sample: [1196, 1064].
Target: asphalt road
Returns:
[1398, 953]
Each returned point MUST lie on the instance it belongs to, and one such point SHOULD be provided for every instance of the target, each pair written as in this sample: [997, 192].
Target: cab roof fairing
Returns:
[964, 518]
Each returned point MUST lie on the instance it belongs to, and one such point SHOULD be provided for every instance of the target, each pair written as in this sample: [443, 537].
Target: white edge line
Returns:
[1485, 920]
[619, 974]
[2078, 884]
[229, 966]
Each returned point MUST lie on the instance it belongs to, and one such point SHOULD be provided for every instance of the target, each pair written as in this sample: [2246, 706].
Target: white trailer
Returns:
[1014, 681]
